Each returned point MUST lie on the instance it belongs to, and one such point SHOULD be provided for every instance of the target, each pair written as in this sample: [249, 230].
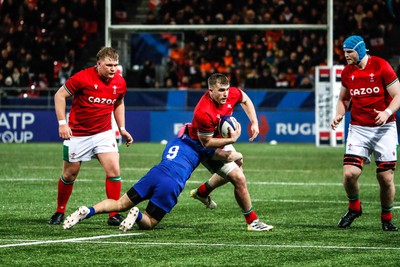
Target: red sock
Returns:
[204, 190]
[250, 216]
[113, 189]
[63, 194]
[386, 216]
[355, 204]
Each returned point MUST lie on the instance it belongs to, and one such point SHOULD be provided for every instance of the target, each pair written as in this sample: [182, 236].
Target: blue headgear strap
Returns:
[357, 44]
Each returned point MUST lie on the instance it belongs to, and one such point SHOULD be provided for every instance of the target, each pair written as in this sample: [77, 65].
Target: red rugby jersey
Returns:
[93, 101]
[367, 88]
[207, 113]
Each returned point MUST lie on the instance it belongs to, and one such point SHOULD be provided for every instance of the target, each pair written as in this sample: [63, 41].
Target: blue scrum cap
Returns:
[357, 44]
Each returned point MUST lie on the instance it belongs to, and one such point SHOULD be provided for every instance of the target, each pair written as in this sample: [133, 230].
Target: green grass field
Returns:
[296, 188]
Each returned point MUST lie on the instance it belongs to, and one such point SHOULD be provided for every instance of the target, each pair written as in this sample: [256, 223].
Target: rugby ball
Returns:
[226, 122]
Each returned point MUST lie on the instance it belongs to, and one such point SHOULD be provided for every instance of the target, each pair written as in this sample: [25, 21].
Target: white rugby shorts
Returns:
[84, 148]
[381, 141]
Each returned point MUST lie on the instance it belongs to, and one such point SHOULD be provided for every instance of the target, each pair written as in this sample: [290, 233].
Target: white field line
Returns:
[278, 246]
[146, 169]
[33, 243]
[35, 179]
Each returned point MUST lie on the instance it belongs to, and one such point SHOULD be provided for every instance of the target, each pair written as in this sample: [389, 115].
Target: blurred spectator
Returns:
[147, 75]
[169, 84]
[282, 82]
[44, 70]
[251, 81]
[24, 79]
[151, 18]
[171, 74]
[65, 71]
[184, 84]
[16, 76]
[306, 83]
[266, 80]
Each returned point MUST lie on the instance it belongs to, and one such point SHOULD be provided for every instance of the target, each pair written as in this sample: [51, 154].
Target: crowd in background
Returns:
[270, 58]
[41, 41]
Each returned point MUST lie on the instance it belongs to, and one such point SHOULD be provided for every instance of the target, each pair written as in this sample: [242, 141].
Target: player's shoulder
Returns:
[377, 59]
[234, 90]
[380, 63]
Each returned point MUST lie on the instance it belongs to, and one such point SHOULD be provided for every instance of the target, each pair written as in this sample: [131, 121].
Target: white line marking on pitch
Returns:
[32, 179]
[66, 240]
[284, 246]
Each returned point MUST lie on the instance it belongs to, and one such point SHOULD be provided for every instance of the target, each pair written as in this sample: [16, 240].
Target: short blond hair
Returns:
[107, 52]
[217, 78]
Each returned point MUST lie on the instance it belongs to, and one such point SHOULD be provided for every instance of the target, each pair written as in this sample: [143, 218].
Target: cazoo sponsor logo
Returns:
[99, 100]
[364, 91]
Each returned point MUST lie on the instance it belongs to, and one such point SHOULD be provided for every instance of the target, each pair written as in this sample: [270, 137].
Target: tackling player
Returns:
[220, 100]
[162, 186]
[97, 93]
[372, 87]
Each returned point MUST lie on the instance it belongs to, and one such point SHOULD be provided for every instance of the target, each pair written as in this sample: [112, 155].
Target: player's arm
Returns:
[341, 107]
[383, 115]
[227, 155]
[60, 104]
[213, 142]
[250, 111]
[119, 115]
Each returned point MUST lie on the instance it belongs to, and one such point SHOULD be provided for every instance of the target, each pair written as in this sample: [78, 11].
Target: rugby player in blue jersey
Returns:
[162, 185]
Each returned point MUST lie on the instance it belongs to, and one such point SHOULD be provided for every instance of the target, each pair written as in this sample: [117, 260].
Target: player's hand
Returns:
[127, 136]
[235, 134]
[335, 122]
[64, 132]
[382, 117]
[254, 129]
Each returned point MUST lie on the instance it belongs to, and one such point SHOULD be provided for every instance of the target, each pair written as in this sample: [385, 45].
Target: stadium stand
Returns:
[43, 42]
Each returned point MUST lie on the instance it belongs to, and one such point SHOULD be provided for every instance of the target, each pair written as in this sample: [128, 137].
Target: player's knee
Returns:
[382, 166]
[237, 178]
[353, 160]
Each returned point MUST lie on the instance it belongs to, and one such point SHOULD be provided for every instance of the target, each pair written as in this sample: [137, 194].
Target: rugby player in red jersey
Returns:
[220, 100]
[98, 92]
[371, 92]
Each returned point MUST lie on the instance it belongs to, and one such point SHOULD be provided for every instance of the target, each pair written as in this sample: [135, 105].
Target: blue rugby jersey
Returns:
[180, 158]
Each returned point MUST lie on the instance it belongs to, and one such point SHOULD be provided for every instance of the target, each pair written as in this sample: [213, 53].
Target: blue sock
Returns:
[139, 216]
[91, 213]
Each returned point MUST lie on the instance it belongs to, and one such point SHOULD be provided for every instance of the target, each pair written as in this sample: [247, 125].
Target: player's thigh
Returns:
[110, 163]
[237, 177]
[359, 142]
[386, 147]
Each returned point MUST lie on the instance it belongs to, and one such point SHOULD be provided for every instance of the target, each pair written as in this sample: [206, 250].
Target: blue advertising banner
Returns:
[42, 126]
[155, 126]
[283, 126]
[28, 126]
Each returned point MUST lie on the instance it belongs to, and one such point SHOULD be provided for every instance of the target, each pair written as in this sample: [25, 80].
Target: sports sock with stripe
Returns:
[64, 192]
[113, 189]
